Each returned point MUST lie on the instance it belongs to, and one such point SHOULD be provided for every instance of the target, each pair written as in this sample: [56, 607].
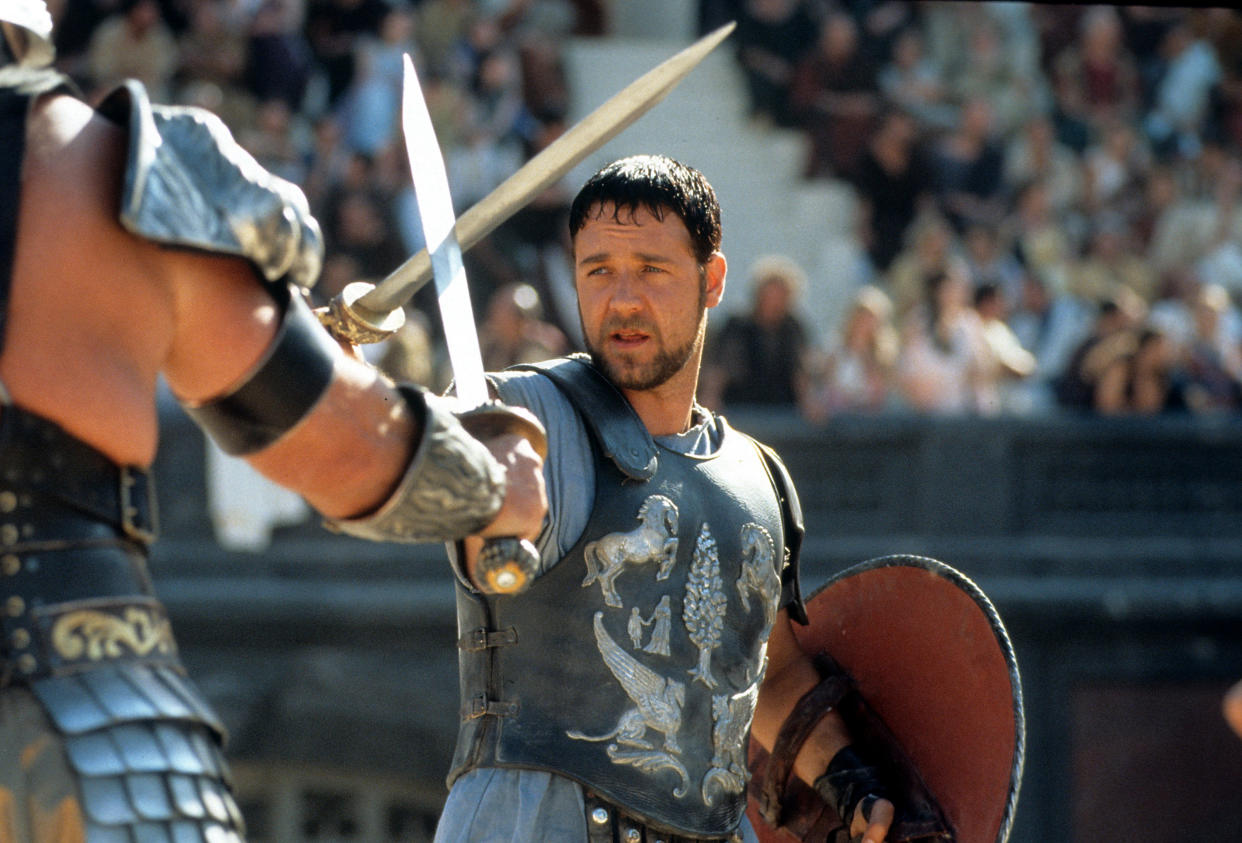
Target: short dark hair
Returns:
[660, 185]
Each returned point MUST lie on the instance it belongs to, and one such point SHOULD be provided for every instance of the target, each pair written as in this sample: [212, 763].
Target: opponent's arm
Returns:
[253, 366]
[825, 762]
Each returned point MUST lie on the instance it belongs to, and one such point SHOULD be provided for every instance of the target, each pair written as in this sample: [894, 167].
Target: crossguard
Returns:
[506, 564]
[350, 321]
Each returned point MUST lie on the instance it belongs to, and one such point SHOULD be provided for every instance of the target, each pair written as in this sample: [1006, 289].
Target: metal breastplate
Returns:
[633, 666]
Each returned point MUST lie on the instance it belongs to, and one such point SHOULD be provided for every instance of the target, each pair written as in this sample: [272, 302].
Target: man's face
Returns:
[642, 296]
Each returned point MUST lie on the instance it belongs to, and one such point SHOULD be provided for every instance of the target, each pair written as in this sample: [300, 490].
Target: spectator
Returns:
[1201, 225]
[515, 331]
[931, 248]
[1051, 327]
[1183, 91]
[856, 374]
[945, 367]
[1213, 363]
[989, 263]
[772, 36]
[1111, 262]
[134, 42]
[1114, 170]
[913, 83]
[1112, 335]
[1039, 238]
[370, 108]
[1034, 153]
[891, 188]
[966, 168]
[213, 52]
[994, 74]
[278, 58]
[276, 140]
[1142, 379]
[1095, 79]
[333, 28]
[441, 25]
[760, 357]
[834, 97]
[1008, 363]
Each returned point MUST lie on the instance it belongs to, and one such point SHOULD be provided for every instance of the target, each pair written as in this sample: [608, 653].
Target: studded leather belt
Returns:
[607, 823]
[74, 529]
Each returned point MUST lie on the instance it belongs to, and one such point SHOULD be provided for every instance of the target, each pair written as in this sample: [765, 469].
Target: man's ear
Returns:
[715, 270]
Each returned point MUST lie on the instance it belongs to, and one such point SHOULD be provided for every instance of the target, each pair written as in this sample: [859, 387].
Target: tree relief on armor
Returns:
[705, 605]
[654, 540]
[658, 702]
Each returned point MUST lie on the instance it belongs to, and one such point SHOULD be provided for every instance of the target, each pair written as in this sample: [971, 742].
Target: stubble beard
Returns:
[642, 376]
[667, 362]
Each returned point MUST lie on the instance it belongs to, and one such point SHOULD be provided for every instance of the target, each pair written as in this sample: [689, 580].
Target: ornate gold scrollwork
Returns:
[94, 636]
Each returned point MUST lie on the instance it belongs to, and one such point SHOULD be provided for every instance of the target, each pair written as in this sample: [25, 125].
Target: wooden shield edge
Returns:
[942, 577]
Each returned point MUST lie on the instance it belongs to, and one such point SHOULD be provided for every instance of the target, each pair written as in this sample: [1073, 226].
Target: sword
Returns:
[366, 313]
[505, 565]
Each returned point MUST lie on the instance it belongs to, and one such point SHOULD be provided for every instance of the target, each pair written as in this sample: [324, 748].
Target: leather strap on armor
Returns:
[281, 389]
[813, 814]
[453, 487]
[610, 418]
[802, 720]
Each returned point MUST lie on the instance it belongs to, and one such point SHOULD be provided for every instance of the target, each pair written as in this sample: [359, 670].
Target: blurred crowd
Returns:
[1048, 207]
[1047, 195]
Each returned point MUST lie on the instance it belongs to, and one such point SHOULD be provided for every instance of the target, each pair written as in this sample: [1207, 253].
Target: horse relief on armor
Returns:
[759, 574]
[661, 622]
[704, 609]
[731, 716]
[658, 703]
[654, 540]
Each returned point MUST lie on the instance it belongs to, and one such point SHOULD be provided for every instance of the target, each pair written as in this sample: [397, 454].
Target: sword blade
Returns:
[435, 207]
[542, 171]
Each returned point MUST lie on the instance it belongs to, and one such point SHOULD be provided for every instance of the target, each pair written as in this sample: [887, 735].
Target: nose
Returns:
[625, 295]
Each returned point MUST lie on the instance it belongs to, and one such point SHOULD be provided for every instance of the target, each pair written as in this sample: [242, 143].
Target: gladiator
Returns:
[139, 242]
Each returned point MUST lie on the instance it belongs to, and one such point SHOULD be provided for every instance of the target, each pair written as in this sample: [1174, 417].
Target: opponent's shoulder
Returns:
[188, 183]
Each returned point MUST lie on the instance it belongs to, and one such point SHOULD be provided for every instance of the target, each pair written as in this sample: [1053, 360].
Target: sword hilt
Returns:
[506, 564]
[347, 319]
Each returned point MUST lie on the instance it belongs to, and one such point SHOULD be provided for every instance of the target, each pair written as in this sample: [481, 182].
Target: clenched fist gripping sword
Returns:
[365, 313]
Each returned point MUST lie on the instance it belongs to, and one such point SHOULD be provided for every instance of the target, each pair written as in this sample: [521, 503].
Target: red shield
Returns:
[931, 658]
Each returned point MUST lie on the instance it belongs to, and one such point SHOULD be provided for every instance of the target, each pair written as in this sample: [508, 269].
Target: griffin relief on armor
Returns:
[731, 716]
[658, 705]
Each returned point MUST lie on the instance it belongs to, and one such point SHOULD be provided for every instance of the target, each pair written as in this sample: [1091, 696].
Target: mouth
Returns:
[627, 340]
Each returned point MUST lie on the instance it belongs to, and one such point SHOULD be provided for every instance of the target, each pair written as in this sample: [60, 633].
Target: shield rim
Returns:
[985, 605]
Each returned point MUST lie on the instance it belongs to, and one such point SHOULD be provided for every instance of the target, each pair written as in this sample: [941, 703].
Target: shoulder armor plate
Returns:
[189, 184]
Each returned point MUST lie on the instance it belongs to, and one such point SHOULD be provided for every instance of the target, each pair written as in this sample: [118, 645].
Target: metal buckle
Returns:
[131, 512]
[481, 706]
[480, 638]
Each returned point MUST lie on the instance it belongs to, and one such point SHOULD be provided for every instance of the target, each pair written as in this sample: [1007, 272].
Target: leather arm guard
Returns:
[452, 488]
[816, 813]
[281, 389]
